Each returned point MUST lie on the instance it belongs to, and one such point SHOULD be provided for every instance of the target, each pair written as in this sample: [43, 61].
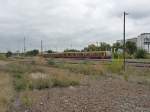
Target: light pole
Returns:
[41, 47]
[124, 41]
[24, 45]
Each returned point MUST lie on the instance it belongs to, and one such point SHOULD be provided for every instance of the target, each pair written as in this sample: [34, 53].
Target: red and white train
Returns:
[80, 55]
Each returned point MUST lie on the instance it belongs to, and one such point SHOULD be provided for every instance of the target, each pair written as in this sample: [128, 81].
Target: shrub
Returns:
[20, 84]
[39, 83]
[141, 53]
[8, 54]
[65, 80]
[117, 55]
[26, 99]
[51, 62]
[32, 53]
[115, 66]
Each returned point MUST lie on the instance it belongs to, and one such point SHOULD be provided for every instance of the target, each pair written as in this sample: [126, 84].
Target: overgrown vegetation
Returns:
[115, 66]
[9, 54]
[26, 76]
[84, 67]
[141, 53]
[6, 92]
[32, 52]
[2, 57]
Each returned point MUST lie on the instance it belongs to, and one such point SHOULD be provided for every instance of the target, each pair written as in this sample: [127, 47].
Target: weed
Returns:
[6, 92]
[65, 80]
[51, 62]
[20, 83]
[86, 69]
[26, 100]
[39, 82]
[115, 66]
[2, 57]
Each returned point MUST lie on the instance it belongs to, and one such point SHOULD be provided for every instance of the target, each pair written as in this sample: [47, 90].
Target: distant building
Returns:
[131, 40]
[142, 41]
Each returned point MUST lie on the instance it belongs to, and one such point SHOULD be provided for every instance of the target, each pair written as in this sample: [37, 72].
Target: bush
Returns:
[39, 83]
[141, 53]
[51, 62]
[115, 66]
[32, 53]
[20, 82]
[117, 55]
[8, 54]
[26, 99]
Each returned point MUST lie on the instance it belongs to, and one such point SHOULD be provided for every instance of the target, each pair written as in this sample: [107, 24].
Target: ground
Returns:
[102, 91]
[101, 95]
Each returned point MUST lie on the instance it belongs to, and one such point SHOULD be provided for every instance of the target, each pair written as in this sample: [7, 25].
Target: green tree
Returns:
[131, 47]
[90, 47]
[9, 54]
[71, 50]
[32, 52]
[141, 53]
[50, 51]
[104, 46]
[117, 46]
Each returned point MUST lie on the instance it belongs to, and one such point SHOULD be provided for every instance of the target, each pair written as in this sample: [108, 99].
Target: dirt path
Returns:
[3, 63]
[107, 95]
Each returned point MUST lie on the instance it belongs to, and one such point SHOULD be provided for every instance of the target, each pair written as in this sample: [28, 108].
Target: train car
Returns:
[81, 55]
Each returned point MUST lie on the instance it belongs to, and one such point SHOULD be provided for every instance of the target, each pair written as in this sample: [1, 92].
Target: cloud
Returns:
[65, 23]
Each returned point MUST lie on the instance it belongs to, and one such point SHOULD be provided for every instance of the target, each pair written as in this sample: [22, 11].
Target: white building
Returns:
[143, 41]
[131, 40]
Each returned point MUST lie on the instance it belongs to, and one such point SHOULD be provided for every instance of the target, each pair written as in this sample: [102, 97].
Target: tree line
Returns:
[117, 48]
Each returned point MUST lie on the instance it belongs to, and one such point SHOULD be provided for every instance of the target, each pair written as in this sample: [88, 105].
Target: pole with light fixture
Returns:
[124, 41]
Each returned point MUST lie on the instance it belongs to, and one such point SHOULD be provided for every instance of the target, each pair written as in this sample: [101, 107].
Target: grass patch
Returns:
[26, 99]
[2, 57]
[137, 75]
[67, 79]
[6, 92]
[22, 68]
[115, 66]
[84, 67]
[29, 77]
[39, 81]
[59, 78]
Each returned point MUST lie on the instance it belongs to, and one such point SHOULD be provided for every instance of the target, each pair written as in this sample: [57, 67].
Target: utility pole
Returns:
[41, 47]
[24, 45]
[124, 41]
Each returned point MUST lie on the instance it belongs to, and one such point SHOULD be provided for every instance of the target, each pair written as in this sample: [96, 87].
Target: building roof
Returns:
[145, 33]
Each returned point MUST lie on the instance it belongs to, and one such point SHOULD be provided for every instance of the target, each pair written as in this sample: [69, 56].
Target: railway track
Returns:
[135, 63]
[138, 64]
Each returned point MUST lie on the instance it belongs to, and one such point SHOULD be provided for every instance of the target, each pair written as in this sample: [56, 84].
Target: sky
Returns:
[62, 24]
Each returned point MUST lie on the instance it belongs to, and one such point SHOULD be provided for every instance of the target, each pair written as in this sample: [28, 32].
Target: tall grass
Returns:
[115, 66]
[2, 57]
[84, 67]
[26, 76]
[6, 91]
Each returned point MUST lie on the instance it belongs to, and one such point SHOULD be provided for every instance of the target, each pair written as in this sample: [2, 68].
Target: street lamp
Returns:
[124, 40]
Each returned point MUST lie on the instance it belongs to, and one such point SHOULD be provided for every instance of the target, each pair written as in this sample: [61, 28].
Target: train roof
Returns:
[80, 52]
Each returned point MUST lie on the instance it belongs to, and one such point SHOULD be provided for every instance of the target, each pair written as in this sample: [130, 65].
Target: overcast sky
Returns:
[65, 23]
